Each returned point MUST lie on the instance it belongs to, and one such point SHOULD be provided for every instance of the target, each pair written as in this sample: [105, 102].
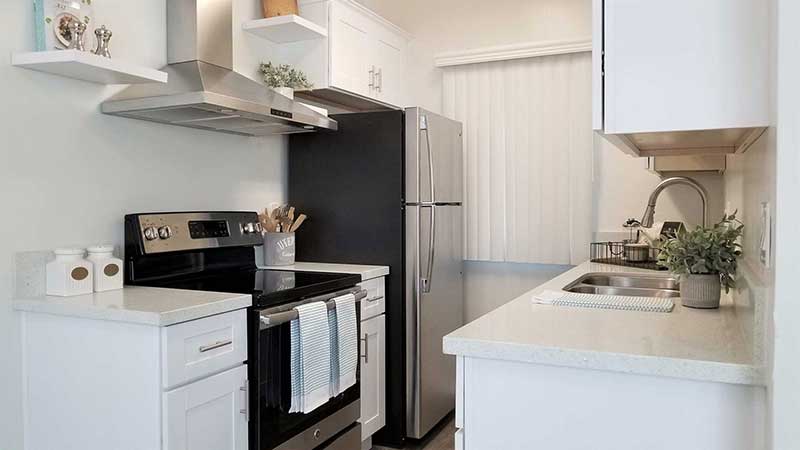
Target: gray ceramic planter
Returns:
[700, 291]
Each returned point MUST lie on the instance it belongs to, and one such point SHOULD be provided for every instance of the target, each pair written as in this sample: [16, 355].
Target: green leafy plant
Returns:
[283, 75]
[705, 251]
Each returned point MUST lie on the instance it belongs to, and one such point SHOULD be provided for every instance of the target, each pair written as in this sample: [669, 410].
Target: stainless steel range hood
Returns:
[203, 91]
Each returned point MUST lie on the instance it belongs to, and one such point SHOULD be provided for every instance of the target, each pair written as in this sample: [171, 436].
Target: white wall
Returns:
[786, 370]
[623, 185]
[68, 174]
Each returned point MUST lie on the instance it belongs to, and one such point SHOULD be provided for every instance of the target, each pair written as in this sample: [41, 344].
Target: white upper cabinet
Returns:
[681, 75]
[360, 64]
[350, 43]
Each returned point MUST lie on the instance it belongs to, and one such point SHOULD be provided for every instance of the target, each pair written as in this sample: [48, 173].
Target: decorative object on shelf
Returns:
[77, 31]
[52, 19]
[103, 36]
[279, 224]
[705, 259]
[283, 78]
[107, 270]
[274, 8]
[69, 274]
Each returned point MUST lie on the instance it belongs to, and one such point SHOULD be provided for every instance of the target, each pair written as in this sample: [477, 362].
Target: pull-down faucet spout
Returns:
[650, 212]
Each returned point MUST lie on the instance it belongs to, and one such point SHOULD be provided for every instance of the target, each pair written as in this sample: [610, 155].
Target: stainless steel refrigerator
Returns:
[386, 189]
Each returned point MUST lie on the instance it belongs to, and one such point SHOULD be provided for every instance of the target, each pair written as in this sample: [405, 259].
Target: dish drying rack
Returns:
[615, 253]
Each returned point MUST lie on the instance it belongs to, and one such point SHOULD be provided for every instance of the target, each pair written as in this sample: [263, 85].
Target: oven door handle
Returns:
[287, 313]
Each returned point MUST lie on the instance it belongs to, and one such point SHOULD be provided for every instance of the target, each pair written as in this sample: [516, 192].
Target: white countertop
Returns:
[366, 272]
[705, 345]
[143, 305]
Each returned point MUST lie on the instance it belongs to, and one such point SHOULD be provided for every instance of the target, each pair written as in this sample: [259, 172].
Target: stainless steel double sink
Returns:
[636, 285]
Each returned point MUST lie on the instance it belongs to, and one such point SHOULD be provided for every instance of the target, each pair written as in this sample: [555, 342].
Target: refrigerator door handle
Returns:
[425, 283]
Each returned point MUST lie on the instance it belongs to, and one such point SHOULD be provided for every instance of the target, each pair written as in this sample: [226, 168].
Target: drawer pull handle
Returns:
[216, 345]
[373, 300]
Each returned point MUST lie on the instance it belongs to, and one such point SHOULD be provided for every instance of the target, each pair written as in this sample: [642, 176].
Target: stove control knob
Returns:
[150, 233]
[249, 228]
[165, 232]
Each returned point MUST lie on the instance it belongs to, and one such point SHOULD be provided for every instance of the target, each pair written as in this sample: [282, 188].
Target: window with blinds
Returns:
[528, 157]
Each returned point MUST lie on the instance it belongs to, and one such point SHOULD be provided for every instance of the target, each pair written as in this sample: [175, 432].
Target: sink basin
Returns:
[627, 285]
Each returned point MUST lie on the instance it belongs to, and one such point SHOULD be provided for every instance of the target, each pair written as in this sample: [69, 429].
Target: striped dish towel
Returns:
[310, 358]
[646, 304]
[344, 343]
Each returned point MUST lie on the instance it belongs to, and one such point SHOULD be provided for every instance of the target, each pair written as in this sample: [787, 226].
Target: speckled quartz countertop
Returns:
[143, 305]
[366, 272]
[704, 345]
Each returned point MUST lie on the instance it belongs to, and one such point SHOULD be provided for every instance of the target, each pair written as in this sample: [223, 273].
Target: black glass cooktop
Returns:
[268, 287]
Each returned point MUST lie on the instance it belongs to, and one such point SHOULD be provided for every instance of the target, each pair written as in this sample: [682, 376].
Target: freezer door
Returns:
[433, 314]
[433, 158]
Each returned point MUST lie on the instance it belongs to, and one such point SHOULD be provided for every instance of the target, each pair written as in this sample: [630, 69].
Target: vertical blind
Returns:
[528, 157]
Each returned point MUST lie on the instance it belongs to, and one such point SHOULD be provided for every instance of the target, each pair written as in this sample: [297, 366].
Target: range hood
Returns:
[203, 91]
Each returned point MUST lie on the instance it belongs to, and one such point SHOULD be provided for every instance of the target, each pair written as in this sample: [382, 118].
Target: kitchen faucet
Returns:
[650, 212]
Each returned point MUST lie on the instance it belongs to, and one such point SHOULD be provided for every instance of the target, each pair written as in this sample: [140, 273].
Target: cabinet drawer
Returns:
[192, 350]
[375, 303]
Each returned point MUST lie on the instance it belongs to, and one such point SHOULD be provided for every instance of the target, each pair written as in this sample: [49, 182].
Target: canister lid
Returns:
[104, 248]
[69, 251]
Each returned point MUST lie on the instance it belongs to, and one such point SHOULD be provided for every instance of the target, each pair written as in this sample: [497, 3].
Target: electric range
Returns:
[215, 252]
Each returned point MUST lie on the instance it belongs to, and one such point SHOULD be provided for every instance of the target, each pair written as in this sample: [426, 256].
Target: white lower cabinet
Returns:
[106, 385]
[373, 376]
[210, 414]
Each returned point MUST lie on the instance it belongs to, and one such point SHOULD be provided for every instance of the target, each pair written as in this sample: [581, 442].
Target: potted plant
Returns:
[283, 78]
[705, 260]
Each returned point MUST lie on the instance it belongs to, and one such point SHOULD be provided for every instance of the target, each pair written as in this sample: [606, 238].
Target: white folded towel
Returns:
[344, 343]
[310, 358]
[646, 304]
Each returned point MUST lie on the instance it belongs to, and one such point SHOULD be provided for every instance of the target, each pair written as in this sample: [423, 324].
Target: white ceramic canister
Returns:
[107, 268]
[69, 274]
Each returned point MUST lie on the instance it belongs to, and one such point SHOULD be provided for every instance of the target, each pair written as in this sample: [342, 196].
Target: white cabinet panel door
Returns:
[349, 58]
[208, 414]
[373, 376]
[389, 78]
[685, 65]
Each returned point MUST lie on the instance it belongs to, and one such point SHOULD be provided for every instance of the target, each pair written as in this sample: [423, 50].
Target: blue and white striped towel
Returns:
[344, 343]
[310, 358]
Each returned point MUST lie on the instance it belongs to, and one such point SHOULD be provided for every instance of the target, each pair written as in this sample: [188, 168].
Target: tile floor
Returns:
[440, 438]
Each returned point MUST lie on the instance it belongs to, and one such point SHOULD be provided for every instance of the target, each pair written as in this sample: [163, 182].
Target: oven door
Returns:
[272, 427]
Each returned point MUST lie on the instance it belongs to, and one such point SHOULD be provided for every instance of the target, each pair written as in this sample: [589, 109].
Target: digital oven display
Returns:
[204, 229]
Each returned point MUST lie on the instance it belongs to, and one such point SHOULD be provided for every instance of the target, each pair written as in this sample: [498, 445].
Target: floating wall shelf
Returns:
[88, 67]
[284, 29]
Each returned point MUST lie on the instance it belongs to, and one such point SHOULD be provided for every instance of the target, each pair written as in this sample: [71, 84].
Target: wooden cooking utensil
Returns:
[300, 219]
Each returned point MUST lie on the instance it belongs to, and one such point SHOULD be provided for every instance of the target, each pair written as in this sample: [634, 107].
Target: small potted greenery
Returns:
[283, 78]
[705, 260]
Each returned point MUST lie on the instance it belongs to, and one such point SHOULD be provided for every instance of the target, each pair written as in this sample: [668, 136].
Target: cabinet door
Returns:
[373, 375]
[349, 46]
[685, 65]
[389, 56]
[209, 414]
